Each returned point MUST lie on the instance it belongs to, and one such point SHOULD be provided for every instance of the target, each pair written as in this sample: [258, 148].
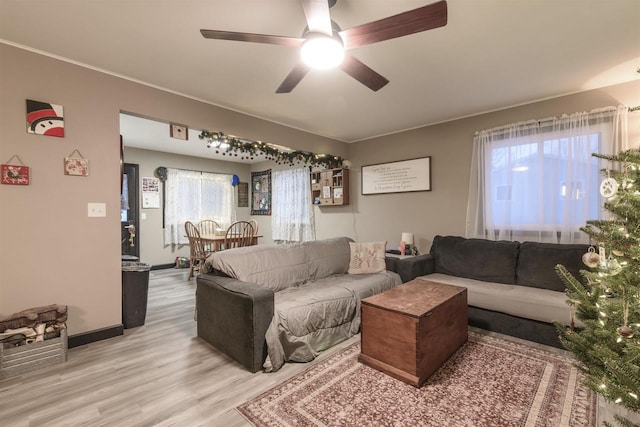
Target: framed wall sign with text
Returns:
[397, 177]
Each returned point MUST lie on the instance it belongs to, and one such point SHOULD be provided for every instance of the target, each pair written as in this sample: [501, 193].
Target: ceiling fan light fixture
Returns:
[322, 52]
[323, 43]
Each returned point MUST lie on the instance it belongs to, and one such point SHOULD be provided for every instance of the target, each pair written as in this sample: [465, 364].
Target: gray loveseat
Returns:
[512, 287]
[285, 302]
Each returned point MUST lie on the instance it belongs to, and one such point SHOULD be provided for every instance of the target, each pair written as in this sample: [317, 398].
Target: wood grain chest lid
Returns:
[415, 298]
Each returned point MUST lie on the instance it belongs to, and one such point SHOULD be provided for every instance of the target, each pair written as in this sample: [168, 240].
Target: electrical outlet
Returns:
[97, 209]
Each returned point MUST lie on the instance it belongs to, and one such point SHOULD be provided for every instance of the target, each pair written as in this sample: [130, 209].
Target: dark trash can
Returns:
[135, 290]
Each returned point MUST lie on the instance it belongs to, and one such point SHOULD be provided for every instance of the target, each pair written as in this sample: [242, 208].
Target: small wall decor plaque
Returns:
[178, 131]
[243, 194]
[45, 119]
[77, 166]
[14, 174]
[150, 193]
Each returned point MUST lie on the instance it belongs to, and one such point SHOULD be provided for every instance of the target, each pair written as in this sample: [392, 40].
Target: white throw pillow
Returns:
[367, 258]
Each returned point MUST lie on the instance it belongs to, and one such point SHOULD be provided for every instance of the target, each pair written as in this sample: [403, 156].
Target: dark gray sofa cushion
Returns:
[410, 268]
[537, 261]
[488, 260]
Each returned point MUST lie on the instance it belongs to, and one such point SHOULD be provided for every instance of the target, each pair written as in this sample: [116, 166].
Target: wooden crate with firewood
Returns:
[32, 339]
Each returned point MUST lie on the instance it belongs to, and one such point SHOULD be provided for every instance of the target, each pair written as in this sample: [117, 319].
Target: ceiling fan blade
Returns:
[317, 14]
[414, 21]
[362, 73]
[251, 37]
[295, 76]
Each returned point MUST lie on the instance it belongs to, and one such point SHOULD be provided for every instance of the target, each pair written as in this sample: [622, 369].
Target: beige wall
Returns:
[51, 252]
[443, 210]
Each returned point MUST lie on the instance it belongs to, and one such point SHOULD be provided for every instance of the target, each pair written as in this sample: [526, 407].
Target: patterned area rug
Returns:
[488, 382]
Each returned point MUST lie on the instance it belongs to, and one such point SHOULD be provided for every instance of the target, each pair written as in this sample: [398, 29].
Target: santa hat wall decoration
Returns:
[45, 119]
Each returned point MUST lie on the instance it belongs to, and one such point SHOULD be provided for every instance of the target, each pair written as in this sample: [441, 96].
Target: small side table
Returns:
[409, 267]
[409, 331]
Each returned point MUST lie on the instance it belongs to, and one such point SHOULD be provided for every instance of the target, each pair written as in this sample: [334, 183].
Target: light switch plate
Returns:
[96, 209]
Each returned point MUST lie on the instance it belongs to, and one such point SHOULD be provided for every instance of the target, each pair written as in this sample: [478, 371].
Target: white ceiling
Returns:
[492, 54]
[148, 134]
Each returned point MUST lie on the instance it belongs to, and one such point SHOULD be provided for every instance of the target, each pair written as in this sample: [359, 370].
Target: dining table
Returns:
[216, 240]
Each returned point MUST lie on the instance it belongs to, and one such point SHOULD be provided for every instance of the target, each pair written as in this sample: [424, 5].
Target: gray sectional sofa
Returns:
[512, 287]
[267, 304]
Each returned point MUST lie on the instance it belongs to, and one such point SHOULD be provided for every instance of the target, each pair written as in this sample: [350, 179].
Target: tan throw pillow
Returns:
[367, 258]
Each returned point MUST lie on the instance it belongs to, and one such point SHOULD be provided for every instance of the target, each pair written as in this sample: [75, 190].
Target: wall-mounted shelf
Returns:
[330, 187]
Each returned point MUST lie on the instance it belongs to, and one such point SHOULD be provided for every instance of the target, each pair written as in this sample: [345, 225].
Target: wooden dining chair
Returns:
[239, 234]
[255, 226]
[197, 252]
[208, 227]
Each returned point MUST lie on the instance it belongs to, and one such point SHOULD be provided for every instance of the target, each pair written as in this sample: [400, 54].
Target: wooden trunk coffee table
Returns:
[409, 331]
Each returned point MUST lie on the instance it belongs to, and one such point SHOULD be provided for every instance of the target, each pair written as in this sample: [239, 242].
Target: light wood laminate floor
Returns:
[158, 374]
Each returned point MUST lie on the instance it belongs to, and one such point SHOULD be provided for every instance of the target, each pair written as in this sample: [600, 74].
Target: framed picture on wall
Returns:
[150, 192]
[15, 174]
[44, 118]
[397, 177]
[179, 131]
[243, 194]
[261, 193]
[76, 164]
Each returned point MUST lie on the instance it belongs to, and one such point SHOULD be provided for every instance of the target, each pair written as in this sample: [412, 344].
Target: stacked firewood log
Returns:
[33, 325]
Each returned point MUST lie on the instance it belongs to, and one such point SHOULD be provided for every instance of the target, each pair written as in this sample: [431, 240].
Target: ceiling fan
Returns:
[323, 33]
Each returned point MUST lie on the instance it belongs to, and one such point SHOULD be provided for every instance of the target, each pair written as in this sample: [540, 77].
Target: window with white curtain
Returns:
[292, 212]
[193, 196]
[538, 180]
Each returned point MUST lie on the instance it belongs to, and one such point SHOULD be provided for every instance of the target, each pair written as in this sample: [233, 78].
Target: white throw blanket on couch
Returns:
[317, 304]
[318, 315]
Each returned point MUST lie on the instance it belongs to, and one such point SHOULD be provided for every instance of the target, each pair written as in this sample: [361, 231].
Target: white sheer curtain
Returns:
[192, 196]
[537, 180]
[292, 212]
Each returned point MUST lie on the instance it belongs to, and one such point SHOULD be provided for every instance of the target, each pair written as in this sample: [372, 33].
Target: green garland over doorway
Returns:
[232, 146]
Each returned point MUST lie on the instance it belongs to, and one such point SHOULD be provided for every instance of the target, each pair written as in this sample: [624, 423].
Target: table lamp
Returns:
[406, 244]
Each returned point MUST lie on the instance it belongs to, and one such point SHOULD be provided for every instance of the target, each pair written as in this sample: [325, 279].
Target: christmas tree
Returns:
[607, 345]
